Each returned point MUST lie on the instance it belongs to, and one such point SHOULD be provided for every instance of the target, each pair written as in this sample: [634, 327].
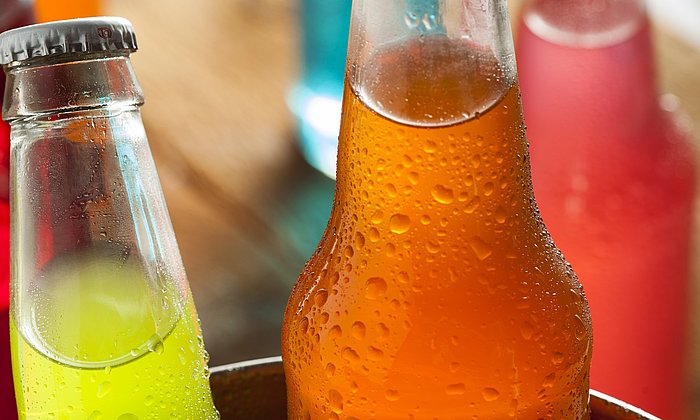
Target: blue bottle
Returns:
[316, 99]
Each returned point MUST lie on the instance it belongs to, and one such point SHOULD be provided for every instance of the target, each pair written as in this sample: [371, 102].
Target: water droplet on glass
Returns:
[335, 401]
[321, 297]
[500, 215]
[432, 247]
[95, 415]
[375, 288]
[391, 395]
[490, 394]
[373, 235]
[359, 330]
[549, 380]
[399, 223]
[377, 217]
[580, 328]
[359, 240]
[472, 205]
[526, 330]
[456, 389]
[335, 332]
[413, 178]
[480, 248]
[103, 389]
[128, 416]
[350, 355]
[330, 370]
[374, 354]
[442, 194]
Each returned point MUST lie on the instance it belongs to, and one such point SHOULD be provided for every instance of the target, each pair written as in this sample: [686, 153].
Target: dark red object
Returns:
[13, 14]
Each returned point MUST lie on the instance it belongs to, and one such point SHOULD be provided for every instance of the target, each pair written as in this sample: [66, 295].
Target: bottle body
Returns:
[102, 319]
[435, 291]
[614, 176]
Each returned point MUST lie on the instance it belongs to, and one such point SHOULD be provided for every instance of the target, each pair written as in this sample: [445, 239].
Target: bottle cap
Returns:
[67, 36]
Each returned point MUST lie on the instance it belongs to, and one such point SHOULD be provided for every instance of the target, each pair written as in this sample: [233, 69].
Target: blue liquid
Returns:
[316, 99]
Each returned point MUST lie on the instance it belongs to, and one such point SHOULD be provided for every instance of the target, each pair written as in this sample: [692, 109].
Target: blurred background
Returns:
[246, 207]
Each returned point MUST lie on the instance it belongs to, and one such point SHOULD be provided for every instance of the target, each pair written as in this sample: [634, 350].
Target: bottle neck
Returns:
[70, 83]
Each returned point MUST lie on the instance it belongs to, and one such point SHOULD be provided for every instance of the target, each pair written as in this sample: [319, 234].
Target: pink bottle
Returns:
[13, 13]
[614, 178]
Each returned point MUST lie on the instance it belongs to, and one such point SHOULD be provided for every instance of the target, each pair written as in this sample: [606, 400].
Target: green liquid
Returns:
[103, 345]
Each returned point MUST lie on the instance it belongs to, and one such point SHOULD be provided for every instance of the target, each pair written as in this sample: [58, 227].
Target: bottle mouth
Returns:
[584, 23]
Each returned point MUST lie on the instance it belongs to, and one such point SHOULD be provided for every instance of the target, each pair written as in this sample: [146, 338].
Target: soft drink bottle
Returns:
[102, 320]
[614, 175]
[436, 291]
[13, 13]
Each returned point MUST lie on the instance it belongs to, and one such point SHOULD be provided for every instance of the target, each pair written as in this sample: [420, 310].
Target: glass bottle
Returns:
[614, 175]
[436, 291]
[102, 319]
[13, 13]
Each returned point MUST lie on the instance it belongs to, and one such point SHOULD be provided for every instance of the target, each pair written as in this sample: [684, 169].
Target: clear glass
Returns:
[435, 291]
[614, 172]
[102, 319]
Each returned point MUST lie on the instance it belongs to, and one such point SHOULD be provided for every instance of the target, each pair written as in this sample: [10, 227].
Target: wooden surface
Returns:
[246, 209]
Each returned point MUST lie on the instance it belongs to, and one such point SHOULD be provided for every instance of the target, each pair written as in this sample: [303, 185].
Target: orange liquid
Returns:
[435, 291]
[50, 10]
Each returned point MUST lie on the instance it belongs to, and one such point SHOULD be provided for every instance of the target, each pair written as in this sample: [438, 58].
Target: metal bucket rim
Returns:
[605, 406]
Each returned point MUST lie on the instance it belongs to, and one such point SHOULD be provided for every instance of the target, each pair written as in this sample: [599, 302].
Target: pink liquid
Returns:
[614, 178]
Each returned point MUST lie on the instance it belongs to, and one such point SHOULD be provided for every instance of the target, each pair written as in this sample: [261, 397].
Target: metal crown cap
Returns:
[67, 36]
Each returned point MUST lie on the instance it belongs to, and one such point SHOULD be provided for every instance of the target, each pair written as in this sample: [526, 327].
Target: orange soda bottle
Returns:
[436, 291]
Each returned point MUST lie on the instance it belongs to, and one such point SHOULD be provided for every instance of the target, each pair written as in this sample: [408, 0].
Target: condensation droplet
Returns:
[359, 240]
[432, 247]
[335, 332]
[359, 330]
[335, 401]
[526, 330]
[456, 389]
[488, 189]
[377, 217]
[480, 248]
[557, 358]
[330, 370]
[391, 395]
[103, 389]
[413, 178]
[349, 252]
[472, 205]
[499, 214]
[490, 394]
[321, 297]
[375, 288]
[402, 277]
[374, 354]
[399, 223]
[580, 328]
[442, 194]
[549, 380]
[350, 355]
[373, 235]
